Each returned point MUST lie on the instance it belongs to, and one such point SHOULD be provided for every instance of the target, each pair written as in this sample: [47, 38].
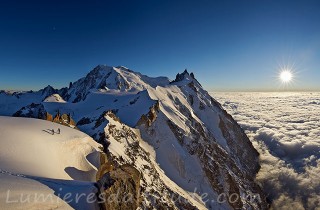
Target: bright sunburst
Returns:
[286, 76]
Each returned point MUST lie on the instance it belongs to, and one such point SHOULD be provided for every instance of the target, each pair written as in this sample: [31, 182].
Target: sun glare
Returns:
[286, 76]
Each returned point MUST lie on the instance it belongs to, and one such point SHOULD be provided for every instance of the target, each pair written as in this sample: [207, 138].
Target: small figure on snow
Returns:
[58, 132]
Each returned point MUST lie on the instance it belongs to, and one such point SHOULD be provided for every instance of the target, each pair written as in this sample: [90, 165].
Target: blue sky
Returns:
[229, 45]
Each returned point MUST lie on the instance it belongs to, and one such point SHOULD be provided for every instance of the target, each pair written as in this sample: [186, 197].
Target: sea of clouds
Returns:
[285, 129]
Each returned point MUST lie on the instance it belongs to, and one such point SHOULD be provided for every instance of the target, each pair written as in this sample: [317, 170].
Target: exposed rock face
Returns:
[38, 111]
[32, 111]
[167, 143]
[150, 117]
[182, 76]
[48, 91]
[64, 119]
[120, 188]
[154, 193]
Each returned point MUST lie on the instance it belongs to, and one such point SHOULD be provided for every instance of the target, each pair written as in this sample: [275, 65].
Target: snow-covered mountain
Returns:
[104, 78]
[180, 139]
[54, 98]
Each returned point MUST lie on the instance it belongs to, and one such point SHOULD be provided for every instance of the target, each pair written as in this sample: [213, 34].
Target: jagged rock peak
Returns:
[48, 91]
[184, 76]
[48, 88]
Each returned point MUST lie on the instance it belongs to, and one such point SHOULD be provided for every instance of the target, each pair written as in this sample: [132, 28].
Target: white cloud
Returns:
[285, 129]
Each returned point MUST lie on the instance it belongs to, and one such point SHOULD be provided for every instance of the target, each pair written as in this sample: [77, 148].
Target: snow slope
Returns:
[34, 161]
[54, 98]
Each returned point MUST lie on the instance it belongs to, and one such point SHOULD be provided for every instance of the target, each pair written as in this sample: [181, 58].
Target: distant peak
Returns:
[47, 91]
[99, 70]
[49, 87]
[102, 66]
[184, 76]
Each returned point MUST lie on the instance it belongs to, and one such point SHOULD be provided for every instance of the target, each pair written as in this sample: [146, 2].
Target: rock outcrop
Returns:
[32, 111]
[120, 189]
[38, 111]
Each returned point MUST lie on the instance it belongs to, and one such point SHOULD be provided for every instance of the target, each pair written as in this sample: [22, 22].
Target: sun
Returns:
[286, 76]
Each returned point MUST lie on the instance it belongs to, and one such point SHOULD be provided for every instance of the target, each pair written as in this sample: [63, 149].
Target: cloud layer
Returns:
[285, 129]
